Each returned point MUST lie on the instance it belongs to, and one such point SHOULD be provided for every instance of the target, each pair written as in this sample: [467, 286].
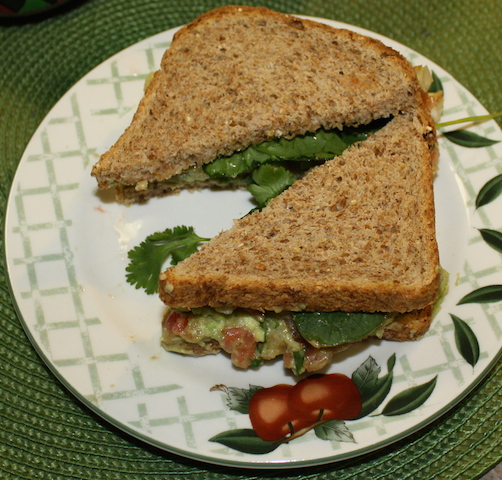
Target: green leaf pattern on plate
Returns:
[409, 399]
[466, 341]
[488, 294]
[373, 389]
[238, 398]
[490, 191]
[492, 238]
[436, 85]
[335, 430]
[245, 440]
[468, 139]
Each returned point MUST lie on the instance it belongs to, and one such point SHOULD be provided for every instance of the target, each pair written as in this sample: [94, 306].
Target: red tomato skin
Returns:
[269, 412]
[176, 322]
[334, 394]
[241, 345]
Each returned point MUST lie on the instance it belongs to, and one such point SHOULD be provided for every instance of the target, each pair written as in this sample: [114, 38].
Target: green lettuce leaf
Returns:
[317, 146]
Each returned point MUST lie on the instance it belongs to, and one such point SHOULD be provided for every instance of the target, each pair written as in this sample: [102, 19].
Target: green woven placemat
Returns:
[46, 433]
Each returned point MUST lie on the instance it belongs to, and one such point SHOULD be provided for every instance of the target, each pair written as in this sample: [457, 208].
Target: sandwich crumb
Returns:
[140, 186]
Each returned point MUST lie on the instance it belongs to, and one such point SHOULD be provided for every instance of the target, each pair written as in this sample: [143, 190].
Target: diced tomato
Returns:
[317, 358]
[240, 344]
[176, 323]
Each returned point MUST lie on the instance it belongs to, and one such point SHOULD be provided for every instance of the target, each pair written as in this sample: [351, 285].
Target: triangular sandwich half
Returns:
[356, 234]
[238, 76]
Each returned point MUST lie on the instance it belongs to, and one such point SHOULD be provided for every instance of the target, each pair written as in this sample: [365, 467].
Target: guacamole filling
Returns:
[306, 341]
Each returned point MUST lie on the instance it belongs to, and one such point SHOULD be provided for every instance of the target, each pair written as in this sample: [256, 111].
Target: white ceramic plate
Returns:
[67, 245]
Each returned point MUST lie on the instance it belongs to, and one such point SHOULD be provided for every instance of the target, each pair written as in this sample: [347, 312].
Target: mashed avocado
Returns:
[249, 335]
[209, 324]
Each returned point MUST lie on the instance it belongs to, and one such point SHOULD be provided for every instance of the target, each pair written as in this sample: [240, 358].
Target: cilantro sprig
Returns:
[147, 259]
[268, 181]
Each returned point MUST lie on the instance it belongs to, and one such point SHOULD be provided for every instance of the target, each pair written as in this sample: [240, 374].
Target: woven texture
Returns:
[46, 433]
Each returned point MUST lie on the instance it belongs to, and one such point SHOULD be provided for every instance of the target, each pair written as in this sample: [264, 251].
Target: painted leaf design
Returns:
[466, 340]
[373, 389]
[372, 401]
[409, 399]
[469, 139]
[489, 294]
[492, 238]
[237, 398]
[436, 85]
[490, 191]
[366, 375]
[334, 430]
[378, 395]
[245, 440]
[391, 362]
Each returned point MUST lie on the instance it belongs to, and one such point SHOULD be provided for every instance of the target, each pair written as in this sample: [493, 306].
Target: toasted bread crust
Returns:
[237, 76]
[409, 326]
[355, 234]
[128, 194]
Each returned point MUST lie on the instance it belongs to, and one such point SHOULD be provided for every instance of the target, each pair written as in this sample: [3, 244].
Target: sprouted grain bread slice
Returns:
[355, 234]
[238, 76]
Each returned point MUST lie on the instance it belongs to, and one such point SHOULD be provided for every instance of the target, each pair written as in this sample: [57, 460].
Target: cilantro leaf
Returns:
[147, 259]
[270, 180]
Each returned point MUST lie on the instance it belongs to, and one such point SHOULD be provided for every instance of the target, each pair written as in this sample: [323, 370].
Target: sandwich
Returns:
[346, 248]
[347, 252]
[239, 81]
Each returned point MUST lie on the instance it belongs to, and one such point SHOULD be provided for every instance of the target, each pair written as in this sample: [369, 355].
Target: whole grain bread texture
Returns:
[409, 326]
[237, 76]
[355, 234]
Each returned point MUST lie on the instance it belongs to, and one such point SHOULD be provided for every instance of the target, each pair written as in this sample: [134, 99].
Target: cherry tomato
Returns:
[269, 412]
[335, 395]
